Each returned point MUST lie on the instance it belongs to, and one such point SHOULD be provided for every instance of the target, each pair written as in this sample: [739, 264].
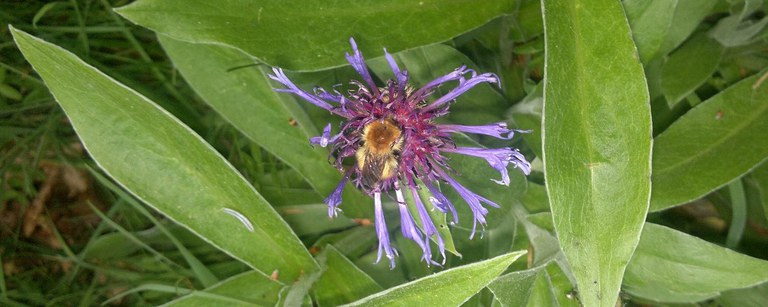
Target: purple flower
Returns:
[391, 134]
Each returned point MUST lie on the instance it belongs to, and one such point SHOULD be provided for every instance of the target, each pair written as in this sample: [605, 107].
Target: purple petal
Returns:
[358, 63]
[498, 158]
[409, 229]
[280, 76]
[472, 199]
[334, 200]
[457, 74]
[324, 139]
[381, 232]
[464, 85]
[400, 76]
[427, 226]
[441, 202]
[497, 130]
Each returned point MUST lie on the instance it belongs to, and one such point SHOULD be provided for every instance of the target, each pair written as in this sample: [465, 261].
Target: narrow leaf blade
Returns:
[245, 289]
[597, 141]
[165, 164]
[448, 288]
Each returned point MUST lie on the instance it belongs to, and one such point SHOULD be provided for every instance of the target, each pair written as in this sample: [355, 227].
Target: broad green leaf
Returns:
[247, 289]
[597, 141]
[246, 98]
[448, 288]
[353, 243]
[274, 31]
[650, 22]
[342, 282]
[313, 219]
[689, 67]
[674, 267]
[659, 26]
[696, 155]
[165, 164]
[688, 16]
[515, 289]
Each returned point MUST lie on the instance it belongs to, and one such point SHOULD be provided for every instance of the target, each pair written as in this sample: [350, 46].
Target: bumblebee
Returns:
[379, 154]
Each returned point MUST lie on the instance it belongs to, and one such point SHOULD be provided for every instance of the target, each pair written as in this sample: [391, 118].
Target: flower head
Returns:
[391, 133]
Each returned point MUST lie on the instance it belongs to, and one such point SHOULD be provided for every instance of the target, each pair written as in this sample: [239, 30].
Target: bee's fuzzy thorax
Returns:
[391, 133]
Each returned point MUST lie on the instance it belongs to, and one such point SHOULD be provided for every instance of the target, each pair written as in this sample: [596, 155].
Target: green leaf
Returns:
[515, 289]
[597, 141]
[342, 282]
[545, 285]
[165, 164]
[273, 31]
[313, 219]
[245, 289]
[353, 243]
[760, 179]
[688, 16]
[448, 288]
[650, 21]
[562, 288]
[738, 30]
[246, 99]
[9, 92]
[527, 115]
[662, 271]
[659, 26]
[689, 67]
[754, 296]
[696, 155]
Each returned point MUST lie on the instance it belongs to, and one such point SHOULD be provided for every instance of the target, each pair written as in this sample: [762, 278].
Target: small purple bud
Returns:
[334, 200]
[441, 202]
[324, 139]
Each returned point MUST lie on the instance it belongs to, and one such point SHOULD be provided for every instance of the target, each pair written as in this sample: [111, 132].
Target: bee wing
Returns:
[373, 168]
